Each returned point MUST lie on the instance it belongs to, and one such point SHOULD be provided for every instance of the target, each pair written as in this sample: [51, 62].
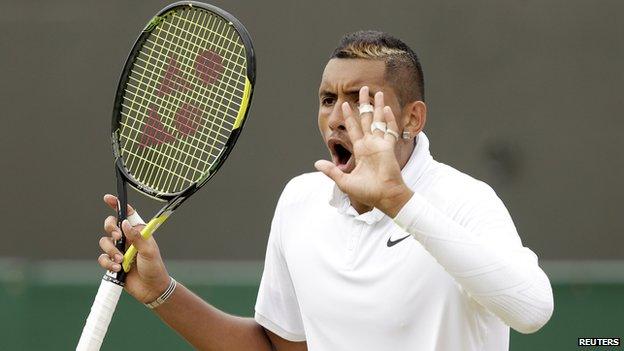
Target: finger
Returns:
[330, 170]
[391, 124]
[378, 116]
[106, 263]
[107, 245]
[364, 97]
[353, 126]
[145, 246]
[110, 227]
[111, 201]
[367, 117]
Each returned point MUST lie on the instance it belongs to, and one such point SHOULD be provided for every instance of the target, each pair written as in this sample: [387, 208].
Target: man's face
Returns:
[341, 82]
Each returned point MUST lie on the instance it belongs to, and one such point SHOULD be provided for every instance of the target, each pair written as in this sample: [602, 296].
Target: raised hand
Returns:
[148, 278]
[376, 180]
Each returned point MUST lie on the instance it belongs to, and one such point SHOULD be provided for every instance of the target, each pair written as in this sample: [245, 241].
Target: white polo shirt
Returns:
[344, 281]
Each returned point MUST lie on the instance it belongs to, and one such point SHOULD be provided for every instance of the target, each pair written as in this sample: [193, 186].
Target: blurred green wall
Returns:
[38, 314]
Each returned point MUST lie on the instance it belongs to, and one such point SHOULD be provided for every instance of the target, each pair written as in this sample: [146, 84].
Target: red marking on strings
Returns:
[188, 118]
[173, 81]
[154, 132]
[208, 67]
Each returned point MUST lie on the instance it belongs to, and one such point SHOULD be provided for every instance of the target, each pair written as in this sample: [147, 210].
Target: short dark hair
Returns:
[403, 69]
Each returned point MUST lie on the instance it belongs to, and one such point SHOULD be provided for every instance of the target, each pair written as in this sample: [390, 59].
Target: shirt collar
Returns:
[413, 170]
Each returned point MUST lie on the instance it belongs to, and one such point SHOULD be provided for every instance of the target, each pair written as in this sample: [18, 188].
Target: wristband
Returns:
[162, 298]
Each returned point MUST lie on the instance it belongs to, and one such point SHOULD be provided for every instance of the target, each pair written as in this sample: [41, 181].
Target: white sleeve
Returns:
[485, 256]
[277, 308]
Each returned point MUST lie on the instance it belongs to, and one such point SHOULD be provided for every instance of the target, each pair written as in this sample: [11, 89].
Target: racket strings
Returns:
[232, 87]
[181, 99]
[237, 65]
[175, 125]
[194, 157]
[216, 130]
[229, 59]
[150, 66]
[153, 164]
[163, 171]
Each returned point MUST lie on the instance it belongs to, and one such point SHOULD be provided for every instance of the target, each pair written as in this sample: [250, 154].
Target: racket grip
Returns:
[100, 316]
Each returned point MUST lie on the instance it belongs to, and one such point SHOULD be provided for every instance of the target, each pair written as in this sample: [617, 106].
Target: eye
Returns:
[328, 100]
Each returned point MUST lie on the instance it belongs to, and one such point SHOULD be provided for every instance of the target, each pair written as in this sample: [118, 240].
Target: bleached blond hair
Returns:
[403, 69]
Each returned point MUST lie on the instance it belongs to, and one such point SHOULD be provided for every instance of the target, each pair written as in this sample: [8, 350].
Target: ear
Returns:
[414, 117]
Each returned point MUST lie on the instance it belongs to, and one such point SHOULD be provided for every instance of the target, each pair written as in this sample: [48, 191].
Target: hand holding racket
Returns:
[182, 99]
[149, 278]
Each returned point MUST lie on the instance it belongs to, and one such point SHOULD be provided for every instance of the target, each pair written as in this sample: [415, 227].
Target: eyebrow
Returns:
[351, 92]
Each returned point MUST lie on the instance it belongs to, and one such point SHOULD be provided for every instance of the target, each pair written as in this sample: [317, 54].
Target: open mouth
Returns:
[341, 155]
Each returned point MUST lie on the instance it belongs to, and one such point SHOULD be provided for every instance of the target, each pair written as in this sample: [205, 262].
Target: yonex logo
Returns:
[208, 68]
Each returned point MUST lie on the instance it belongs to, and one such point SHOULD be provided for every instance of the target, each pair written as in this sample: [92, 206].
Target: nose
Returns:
[336, 118]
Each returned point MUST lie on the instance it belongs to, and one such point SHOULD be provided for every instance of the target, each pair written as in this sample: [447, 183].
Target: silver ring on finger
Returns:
[381, 126]
[393, 133]
[366, 108]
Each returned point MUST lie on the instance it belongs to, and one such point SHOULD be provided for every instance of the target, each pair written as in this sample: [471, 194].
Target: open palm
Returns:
[376, 179]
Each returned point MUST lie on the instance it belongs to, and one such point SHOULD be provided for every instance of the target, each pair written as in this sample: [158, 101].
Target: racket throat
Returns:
[122, 213]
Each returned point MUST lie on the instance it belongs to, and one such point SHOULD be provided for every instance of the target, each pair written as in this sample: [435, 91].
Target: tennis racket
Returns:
[182, 99]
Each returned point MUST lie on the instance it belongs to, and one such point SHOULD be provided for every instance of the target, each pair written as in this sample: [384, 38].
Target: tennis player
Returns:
[383, 249]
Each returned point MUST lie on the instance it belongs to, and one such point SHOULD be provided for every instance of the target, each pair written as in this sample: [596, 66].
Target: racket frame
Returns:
[174, 199]
[113, 282]
[125, 77]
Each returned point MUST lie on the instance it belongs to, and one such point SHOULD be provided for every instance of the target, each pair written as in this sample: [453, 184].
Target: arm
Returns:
[486, 259]
[208, 328]
[201, 324]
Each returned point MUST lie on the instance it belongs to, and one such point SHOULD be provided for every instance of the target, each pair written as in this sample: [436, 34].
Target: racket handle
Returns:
[100, 316]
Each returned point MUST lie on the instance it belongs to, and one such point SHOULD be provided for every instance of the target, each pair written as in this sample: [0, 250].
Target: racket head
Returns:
[182, 99]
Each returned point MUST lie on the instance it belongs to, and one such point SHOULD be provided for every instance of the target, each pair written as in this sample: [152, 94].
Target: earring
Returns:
[406, 135]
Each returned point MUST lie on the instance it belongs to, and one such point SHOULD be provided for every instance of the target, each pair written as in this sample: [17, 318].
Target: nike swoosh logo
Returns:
[391, 243]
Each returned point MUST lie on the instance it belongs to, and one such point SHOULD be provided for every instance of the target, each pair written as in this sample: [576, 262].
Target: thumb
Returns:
[133, 234]
[330, 170]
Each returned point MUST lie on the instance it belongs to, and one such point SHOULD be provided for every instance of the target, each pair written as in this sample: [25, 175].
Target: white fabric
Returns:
[344, 281]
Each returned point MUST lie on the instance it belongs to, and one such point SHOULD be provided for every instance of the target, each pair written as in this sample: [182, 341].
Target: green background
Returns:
[38, 313]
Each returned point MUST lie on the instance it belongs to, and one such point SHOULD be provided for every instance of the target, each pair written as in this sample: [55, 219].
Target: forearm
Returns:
[208, 328]
[501, 277]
